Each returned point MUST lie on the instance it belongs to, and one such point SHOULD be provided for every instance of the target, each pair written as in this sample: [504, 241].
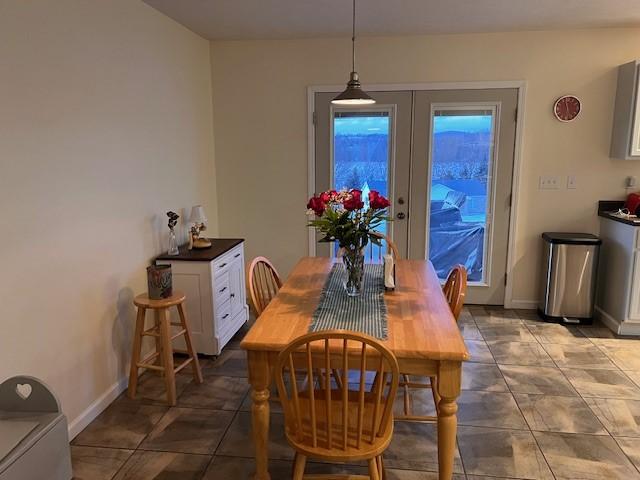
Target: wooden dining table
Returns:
[422, 333]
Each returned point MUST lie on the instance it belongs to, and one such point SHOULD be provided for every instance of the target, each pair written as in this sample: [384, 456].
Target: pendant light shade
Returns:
[353, 94]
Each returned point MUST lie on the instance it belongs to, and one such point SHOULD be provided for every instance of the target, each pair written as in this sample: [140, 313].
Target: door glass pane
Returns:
[461, 164]
[361, 156]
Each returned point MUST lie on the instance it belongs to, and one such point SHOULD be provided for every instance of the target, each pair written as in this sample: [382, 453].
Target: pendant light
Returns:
[353, 94]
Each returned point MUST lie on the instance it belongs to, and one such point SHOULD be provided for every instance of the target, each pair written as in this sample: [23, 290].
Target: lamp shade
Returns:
[197, 215]
[353, 94]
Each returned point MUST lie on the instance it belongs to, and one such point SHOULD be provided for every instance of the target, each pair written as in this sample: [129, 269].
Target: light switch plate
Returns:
[572, 182]
[547, 182]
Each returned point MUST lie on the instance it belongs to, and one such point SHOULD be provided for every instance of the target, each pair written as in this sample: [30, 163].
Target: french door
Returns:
[445, 160]
[368, 148]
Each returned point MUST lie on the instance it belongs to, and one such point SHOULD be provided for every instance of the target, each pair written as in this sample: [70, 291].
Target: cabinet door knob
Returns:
[225, 316]
[401, 215]
[222, 289]
[232, 295]
[223, 265]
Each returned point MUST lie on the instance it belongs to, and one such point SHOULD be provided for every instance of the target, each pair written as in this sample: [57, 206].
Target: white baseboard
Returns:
[96, 408]
[621, 328]
[607, 319]
[522, 304]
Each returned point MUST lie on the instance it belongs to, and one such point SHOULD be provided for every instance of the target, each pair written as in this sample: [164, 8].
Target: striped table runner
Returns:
[366, 313]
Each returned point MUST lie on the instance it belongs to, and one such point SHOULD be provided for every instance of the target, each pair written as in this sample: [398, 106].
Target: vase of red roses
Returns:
[343, 217]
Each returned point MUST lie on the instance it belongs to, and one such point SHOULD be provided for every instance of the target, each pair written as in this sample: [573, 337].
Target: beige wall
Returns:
[105, 124]
[260, 118]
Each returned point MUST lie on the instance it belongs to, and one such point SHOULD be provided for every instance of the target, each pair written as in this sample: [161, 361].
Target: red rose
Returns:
[377, 201]
[317, 205]
[354, 202]
[325, 197]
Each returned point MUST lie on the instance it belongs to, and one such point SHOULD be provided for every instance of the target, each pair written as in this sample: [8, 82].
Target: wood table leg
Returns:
[259, 378]
[448, 384]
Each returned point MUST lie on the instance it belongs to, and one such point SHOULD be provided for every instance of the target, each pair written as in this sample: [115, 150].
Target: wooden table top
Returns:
[420, 322]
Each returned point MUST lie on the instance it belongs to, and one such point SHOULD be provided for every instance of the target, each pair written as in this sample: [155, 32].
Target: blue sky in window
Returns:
[380, 125]
[462, 123]
[361, 126]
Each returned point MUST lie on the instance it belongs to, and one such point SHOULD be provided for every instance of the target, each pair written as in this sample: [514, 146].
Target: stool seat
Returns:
[164, 333]
[143, 300]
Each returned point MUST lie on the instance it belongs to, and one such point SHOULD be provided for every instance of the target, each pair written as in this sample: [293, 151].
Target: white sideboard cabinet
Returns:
[213, 280]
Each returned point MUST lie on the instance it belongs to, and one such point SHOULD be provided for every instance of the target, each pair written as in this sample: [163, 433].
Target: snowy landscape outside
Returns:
[461, 155]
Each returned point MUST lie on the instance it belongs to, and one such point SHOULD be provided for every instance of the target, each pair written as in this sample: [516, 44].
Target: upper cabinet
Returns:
[625, 138]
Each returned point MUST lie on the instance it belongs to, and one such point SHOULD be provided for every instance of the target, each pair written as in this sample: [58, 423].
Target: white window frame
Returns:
[487, 248]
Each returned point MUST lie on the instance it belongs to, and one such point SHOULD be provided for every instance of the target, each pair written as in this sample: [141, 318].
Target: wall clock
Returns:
[567, 108]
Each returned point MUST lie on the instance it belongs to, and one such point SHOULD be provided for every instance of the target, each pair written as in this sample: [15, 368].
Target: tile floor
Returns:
[539, 401]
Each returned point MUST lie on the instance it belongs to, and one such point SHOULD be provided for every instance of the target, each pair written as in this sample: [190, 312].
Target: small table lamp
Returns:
[199, 220]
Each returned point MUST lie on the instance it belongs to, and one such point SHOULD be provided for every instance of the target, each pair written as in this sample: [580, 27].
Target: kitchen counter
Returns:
[618, 296]
[607, 208]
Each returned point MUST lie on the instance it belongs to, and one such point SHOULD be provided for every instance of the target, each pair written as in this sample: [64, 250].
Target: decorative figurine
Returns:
[173, 244]
[199, 220]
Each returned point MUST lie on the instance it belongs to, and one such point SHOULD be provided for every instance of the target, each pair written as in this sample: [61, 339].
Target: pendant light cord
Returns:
[353, 39]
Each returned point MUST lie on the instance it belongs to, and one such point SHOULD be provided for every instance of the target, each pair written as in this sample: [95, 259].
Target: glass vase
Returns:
[353, 260]
[173, 244]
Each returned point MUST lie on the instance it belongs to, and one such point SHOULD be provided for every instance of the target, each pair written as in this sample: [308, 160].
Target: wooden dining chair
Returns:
[264, 283]
[454, 289]
[392, 248]
[337, 424]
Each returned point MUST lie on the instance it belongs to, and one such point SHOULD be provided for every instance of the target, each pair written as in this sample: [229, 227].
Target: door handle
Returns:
[401, 216]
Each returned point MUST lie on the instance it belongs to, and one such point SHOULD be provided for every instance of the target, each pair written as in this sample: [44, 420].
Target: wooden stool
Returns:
[163, 336]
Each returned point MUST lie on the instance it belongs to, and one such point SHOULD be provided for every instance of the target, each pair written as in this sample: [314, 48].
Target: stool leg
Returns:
[158, 360]
[135, 356]
[195, 364]
[167, 355]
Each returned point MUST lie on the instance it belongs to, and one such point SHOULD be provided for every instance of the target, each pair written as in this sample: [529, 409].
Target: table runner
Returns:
[366, 313]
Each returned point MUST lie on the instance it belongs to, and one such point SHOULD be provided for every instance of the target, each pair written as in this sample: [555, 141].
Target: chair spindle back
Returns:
[264, 283]
[392, 249]
[455, 289]
[330, 416]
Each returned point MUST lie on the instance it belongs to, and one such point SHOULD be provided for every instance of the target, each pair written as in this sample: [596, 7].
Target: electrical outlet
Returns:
[548, 183]
[631, 182]
[572, 182]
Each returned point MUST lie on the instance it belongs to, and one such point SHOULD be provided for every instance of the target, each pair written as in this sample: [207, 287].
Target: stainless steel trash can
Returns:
[569, 276]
